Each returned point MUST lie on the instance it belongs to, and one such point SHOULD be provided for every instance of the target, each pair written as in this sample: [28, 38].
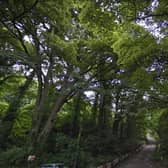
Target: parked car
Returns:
[53, 165]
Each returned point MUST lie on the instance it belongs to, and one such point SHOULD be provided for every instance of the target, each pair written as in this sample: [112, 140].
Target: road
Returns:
[142, 159]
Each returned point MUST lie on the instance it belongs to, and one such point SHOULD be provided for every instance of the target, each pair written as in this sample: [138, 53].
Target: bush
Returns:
[163, 130]
[102, 143]
[14, 157]
[67, 150]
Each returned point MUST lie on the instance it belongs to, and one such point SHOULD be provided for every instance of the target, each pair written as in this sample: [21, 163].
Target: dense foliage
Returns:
[81, 82]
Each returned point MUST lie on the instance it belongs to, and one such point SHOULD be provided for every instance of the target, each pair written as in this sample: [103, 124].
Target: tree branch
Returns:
[152, 15]
[26, 10]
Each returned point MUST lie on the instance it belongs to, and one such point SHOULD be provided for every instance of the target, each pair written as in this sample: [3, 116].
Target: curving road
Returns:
[142, 159]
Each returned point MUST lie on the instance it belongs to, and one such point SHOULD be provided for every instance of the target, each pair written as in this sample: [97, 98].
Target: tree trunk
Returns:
[102, 114]
[104, 109]
[76, 115]
[39, 110]
[116, 125]
[117, 117]
[95, 110]
[41, 136]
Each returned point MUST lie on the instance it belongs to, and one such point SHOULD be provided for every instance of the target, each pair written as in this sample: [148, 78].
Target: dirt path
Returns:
[142, 159]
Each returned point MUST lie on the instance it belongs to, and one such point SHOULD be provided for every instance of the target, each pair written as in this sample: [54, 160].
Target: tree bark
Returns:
[104, 109]
[101, 124]
[41, 136]
[95, 110]
[117, 117]
[76, 115]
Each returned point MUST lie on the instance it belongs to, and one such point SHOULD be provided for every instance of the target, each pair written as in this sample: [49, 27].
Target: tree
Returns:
[11, 113]
[76, 46]
[39, 43]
